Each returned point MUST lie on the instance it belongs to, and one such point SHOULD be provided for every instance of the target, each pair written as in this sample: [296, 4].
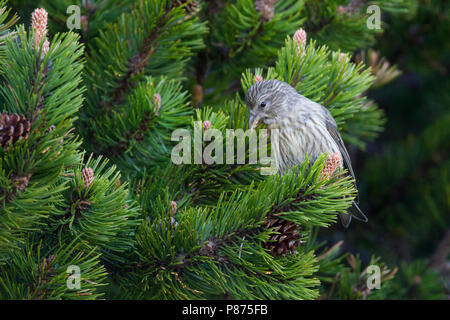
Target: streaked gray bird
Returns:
[304, 127]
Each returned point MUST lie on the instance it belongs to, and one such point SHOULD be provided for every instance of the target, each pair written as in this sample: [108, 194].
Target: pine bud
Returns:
[85, 23]
[173, 208]
[351, 8]
[300, 40]
[87, 175]
[266, 8]
[258, 78]
[157, 102]
[45, 47]
[206, 125]
[39, 25]
[343, 57]
[417, 280]
[332, 163]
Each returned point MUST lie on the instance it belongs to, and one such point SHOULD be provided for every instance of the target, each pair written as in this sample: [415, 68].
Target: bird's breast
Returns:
[291, 145]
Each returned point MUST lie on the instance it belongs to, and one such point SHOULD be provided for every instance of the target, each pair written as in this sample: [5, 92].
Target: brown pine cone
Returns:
[13, 127]
[20, 182]
[287, 238]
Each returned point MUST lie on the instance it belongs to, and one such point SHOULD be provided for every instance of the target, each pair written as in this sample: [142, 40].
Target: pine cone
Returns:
[13, 127]
[20, 182]
[191, 7]
[287, 238]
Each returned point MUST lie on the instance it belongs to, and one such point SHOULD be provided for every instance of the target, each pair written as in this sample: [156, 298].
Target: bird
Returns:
[305, 128]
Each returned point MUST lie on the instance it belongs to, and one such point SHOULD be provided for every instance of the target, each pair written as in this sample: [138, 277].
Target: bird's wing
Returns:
[334, 133]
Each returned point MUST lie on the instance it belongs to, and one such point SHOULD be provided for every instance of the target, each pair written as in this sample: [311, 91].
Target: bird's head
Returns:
[267, 101]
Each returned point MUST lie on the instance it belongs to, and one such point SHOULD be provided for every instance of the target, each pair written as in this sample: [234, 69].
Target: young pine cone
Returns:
[13, 127]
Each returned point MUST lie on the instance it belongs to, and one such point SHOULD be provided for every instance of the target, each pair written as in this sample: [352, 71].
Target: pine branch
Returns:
[137, 63]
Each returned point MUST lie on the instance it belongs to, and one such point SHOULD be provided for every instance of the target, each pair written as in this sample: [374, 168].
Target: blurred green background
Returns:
[404, 174]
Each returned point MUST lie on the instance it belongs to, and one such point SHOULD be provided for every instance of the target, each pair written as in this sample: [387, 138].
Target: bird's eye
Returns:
[263, 104]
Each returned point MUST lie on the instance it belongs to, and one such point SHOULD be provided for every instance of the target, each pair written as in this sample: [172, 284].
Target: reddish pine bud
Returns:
[157, 102]
[258, 78]
[173, 208]
[300, 40]
[39, 26]
[87, 175]
[266, 8]
[343, 57]
[206, 125]
[332, 163]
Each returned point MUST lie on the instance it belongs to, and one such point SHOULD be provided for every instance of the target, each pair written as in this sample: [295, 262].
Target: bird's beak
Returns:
[253, 121]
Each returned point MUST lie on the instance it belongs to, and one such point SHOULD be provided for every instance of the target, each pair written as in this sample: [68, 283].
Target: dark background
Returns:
[403, 175]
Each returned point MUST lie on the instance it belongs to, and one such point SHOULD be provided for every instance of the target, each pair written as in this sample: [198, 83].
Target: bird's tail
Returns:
[354, 212]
